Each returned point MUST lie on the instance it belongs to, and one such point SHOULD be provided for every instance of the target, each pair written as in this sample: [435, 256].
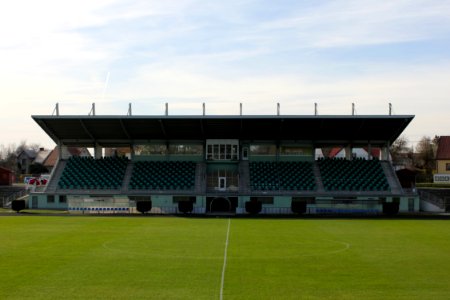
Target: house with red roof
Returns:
[52, 158]
[6, 176]
[443, 155]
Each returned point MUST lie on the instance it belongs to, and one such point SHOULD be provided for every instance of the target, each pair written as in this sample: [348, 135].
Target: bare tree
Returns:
[426, 153]
[402, 152]
[8, 157]
[9, 153]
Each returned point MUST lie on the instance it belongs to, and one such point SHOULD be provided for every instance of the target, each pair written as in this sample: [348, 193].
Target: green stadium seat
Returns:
[352, 175]
[89, 173]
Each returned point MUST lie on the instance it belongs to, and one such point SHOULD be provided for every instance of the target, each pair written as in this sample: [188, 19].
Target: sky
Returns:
[222, 53]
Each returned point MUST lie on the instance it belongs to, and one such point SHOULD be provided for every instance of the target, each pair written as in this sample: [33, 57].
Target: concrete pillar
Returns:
[98, 152]
[63, 152]
[385, 153]
[132, 152]
[348, 152]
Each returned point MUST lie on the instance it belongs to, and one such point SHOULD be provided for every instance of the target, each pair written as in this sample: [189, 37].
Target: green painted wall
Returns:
[44, 203]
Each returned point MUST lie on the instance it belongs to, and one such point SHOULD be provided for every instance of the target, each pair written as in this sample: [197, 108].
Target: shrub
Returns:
[144, 206]
[298, 207]
[185, 206]
[253, 207]
[391, 208]
[18, 205]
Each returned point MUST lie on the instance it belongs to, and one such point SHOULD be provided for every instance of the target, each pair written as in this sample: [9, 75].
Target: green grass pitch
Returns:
[53, 257]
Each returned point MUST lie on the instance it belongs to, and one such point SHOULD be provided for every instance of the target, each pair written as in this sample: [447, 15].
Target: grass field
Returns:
[54, 257]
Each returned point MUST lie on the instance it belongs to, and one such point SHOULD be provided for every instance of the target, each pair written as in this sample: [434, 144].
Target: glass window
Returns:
[222, 152]
[62, 199]
[50, 199]
[228, 153]
[447, 166]
[234, 152]
[210, 152]
[263, 149]
[150, 149]
[295, 150]
[216, 152]
[222, 149]
[185, 149]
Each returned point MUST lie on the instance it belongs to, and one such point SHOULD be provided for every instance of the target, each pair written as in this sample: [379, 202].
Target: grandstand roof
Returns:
[113, 131]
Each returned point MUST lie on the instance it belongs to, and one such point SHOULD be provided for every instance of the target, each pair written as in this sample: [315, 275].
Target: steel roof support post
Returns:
[63, 152]
[369, 151]
[348, 152]
[98, 151]
[132, 153]
[385, 151]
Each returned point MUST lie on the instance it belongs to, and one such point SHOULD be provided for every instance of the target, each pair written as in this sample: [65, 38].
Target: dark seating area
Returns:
[163, 175]
[89, 173]
[296, 176]
[285, 176]
[352, 175]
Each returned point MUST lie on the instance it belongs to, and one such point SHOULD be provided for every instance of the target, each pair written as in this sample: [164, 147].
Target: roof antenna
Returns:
[315, 109]
[167, 109]
[353, 109]
[278, 109]
[92, 112]
[56, 109]
[129, 110]
[390, 109]
[204, 110]
[240, 108]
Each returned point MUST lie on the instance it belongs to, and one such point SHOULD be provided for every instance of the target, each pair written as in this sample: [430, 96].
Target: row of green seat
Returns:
[352, 175]
[90, 173]
[289, 176]
[163, 175]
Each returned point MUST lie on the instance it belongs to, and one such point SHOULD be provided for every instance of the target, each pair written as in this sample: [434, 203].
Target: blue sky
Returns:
[224, 53]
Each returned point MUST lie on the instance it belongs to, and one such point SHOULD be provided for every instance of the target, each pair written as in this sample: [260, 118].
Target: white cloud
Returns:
[352, 23]
[221, 53]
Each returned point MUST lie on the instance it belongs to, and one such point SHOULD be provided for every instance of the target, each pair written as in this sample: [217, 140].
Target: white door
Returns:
[222, 183]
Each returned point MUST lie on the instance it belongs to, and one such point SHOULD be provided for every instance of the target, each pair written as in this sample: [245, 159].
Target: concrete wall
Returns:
[44, 201]
[281, 204]
[429, 207]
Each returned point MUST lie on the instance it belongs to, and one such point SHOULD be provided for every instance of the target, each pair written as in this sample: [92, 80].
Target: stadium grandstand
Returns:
[233, 164]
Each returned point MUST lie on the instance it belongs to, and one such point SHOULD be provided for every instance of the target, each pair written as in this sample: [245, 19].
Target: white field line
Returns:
[225, 260]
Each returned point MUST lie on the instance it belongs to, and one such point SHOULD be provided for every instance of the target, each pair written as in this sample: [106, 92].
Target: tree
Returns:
[426, 153]
[8, 157]
[9, 153]
[400, 151]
